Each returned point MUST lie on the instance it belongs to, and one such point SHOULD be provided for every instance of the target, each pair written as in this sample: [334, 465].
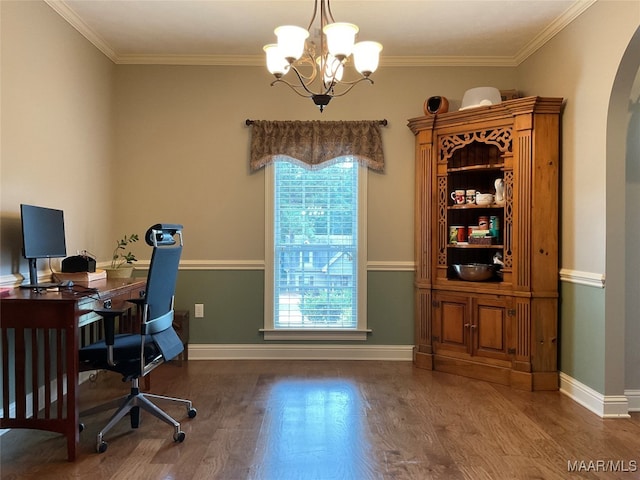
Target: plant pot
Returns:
[121, 272]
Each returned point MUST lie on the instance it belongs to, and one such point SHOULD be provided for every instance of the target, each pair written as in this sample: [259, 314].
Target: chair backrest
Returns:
[161, 280]
[162, 276]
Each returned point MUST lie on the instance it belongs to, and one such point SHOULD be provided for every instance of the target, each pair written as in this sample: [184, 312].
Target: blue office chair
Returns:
[134, 355]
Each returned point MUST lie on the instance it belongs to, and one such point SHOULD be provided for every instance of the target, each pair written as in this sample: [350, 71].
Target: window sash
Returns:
[330, 330]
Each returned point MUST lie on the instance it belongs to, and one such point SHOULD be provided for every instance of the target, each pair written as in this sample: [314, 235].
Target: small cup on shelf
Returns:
[457, 234]
[458, 197]
[471, 196]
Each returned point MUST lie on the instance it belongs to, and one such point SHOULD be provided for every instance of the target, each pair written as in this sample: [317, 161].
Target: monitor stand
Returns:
[33, 278]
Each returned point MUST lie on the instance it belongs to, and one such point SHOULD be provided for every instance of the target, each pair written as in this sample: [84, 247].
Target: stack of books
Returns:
[86, 277]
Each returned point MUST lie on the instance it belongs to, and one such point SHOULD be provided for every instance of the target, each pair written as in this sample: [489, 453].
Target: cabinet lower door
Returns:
[490, 329]
[471, 325]
[451, 323]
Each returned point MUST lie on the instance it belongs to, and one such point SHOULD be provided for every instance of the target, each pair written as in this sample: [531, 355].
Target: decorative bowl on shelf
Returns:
[474, 272]
[484, 198]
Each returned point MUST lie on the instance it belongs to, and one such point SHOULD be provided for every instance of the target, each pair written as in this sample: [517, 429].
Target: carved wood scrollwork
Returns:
[443, 199]
[500, 137]
[508, 220]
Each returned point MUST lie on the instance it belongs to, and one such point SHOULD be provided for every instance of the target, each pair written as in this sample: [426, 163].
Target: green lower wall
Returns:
[582, 332]
[233, 301]
[234, 312]
[234, 306]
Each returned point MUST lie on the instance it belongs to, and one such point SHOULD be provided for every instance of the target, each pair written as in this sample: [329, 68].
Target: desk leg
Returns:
[72, 426]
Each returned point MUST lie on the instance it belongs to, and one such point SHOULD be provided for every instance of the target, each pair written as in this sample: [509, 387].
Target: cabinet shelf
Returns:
[470, 245]
[471, 168]
[473, 205]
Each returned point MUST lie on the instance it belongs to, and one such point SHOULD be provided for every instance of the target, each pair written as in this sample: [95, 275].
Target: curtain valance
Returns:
[315, 142]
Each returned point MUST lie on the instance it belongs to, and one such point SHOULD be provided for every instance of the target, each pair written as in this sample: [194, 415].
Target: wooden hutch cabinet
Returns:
[503, 329]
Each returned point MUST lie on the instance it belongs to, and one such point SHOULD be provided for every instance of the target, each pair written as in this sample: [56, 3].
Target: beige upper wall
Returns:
[57, 128]
[183, 142]
[121, 147]
[179, 148]
[581, 64]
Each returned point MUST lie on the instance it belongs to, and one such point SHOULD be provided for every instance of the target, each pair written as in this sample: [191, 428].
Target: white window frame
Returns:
[269, 330]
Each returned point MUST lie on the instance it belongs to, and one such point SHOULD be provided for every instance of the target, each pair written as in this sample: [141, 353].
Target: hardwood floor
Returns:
[280, 420]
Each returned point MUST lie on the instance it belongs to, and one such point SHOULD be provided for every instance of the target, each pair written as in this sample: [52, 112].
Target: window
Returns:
[315, 283]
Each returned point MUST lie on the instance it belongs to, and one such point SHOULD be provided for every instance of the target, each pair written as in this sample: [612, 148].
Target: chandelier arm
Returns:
[351, 85]
[314, 69]
[313, 17]
[303, 84]
[295, 88]
[353, 82]
[323, 21]
[328, 11]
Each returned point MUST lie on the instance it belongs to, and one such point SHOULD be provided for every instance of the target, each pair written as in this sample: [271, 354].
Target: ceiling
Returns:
[233, 32]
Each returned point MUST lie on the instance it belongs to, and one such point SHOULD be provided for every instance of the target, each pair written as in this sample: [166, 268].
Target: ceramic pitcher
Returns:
[499, 185]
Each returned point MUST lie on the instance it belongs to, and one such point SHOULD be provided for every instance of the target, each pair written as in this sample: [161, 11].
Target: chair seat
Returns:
[126, 354]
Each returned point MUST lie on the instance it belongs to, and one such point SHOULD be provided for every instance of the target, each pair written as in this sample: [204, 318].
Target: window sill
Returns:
[319, 334]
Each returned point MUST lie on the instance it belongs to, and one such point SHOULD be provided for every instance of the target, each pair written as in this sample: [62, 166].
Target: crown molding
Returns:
[573, 12]
[217, 60]
[258, 61]
[66, 12]
[62, 8]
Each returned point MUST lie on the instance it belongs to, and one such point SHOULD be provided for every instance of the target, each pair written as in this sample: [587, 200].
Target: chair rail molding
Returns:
[589, 279]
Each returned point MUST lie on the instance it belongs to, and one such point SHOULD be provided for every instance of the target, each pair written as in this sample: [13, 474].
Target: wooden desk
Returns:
[41, 334]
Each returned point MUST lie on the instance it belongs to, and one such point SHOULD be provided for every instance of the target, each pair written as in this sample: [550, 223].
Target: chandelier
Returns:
[318, 62]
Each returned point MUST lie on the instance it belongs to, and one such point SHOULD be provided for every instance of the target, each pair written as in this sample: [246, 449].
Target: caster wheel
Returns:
[192, 412]
[102, 447]
[81, 427]
[179, 437]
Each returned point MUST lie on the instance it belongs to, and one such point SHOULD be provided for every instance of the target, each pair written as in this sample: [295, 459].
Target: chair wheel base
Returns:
[178, 437]
[102, 447]
[192, 412]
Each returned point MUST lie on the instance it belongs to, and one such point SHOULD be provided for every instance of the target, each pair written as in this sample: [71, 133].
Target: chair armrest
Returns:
[109, 316]
[138, 301]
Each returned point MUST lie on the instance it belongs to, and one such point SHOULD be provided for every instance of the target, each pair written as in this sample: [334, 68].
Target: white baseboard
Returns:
[300, 352]
[634, 400]
[605, 406]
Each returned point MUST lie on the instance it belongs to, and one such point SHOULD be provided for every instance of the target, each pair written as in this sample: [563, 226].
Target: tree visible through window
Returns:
[315, 262]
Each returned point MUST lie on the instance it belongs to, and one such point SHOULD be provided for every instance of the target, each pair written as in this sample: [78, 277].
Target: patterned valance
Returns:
[313, 143]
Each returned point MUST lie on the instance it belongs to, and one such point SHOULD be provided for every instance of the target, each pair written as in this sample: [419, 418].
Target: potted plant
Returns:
[122, 263]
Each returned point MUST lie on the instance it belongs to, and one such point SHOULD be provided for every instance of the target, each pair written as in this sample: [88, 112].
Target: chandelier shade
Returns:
[318, 64]
[340, 38]
[276, 63]
[291, 41]
[366, 56]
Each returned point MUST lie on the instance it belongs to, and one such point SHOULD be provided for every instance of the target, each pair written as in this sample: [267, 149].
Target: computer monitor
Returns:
[42, 237]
